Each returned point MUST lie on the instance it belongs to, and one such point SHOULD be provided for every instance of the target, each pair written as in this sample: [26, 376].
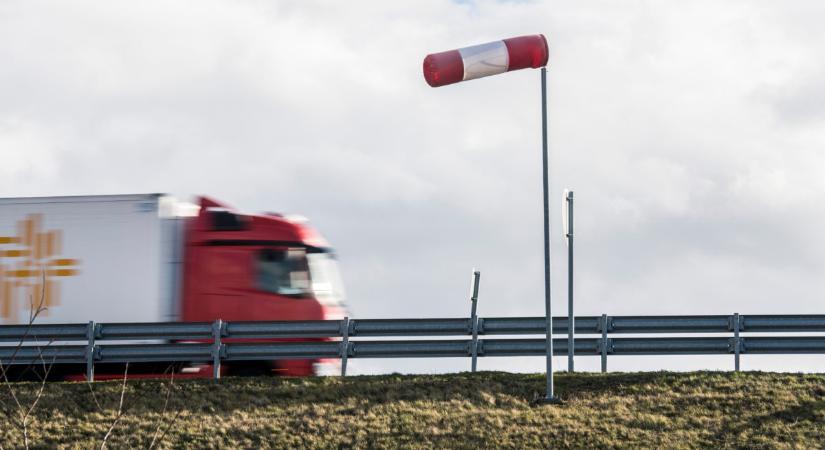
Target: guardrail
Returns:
[50, 343]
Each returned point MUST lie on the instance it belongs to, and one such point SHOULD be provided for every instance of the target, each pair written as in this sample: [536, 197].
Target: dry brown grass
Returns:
[484, 410]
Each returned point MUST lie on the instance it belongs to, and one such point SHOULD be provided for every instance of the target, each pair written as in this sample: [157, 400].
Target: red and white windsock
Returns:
[493, 58]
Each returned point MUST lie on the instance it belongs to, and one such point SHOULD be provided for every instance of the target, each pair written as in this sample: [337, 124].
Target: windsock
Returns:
[492, 58]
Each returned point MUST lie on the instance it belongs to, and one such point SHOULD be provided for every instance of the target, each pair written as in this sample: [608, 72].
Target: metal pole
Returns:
[90, 352]
[344, 346]
[570, 317]
[216, 349]
[474, 317]
[550, 398]
[736, 346]
[604, 343]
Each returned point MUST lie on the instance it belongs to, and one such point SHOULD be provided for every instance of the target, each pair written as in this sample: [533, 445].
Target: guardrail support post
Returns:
[217, 327]
[474, 317]
[736, 342]
[90, 352]
[604, 343]
[344, 345]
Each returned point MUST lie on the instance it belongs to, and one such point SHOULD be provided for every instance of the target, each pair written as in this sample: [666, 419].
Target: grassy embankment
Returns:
[485, 410]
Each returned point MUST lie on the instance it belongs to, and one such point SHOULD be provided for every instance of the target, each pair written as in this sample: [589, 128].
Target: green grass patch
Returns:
[483, 410]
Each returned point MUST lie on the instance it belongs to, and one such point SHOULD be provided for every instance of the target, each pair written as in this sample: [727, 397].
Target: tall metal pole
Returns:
[550, 398]
[570, 317]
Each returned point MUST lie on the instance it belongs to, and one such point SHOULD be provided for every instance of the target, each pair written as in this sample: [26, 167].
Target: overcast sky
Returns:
[691, 132]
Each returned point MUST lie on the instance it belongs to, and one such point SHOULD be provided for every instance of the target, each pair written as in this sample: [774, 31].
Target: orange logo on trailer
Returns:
[29, 264]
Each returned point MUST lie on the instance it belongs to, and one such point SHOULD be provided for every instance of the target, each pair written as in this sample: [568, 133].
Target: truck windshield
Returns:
[283, 272]
[326, 279]
[295, 273]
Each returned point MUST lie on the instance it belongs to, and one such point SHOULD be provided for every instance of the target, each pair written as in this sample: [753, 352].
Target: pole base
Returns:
[549, 401]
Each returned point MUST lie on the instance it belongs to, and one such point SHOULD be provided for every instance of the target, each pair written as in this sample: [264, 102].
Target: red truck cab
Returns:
[242, 267]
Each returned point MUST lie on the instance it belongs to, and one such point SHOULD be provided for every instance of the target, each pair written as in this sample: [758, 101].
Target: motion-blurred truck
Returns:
[150, 258]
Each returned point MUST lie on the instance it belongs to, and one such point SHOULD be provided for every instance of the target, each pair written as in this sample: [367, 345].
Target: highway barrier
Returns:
[218, 342]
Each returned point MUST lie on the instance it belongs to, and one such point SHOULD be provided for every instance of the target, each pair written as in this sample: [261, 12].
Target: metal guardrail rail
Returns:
[220, 341]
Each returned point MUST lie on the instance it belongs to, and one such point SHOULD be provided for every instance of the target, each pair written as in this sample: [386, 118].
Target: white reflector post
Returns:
[568, 234]
[492, 58]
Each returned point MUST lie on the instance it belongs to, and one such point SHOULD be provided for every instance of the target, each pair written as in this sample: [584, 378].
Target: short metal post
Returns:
[604, 343]
[217, 328]
[474, 317]
[344, 345]
[736, 345]
[570, 318]
[90, 352]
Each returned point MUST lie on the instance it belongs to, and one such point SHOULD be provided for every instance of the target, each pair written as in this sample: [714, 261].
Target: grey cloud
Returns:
[803, 103]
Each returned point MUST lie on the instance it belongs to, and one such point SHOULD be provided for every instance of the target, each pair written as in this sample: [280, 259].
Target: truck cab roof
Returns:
[219, 224]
